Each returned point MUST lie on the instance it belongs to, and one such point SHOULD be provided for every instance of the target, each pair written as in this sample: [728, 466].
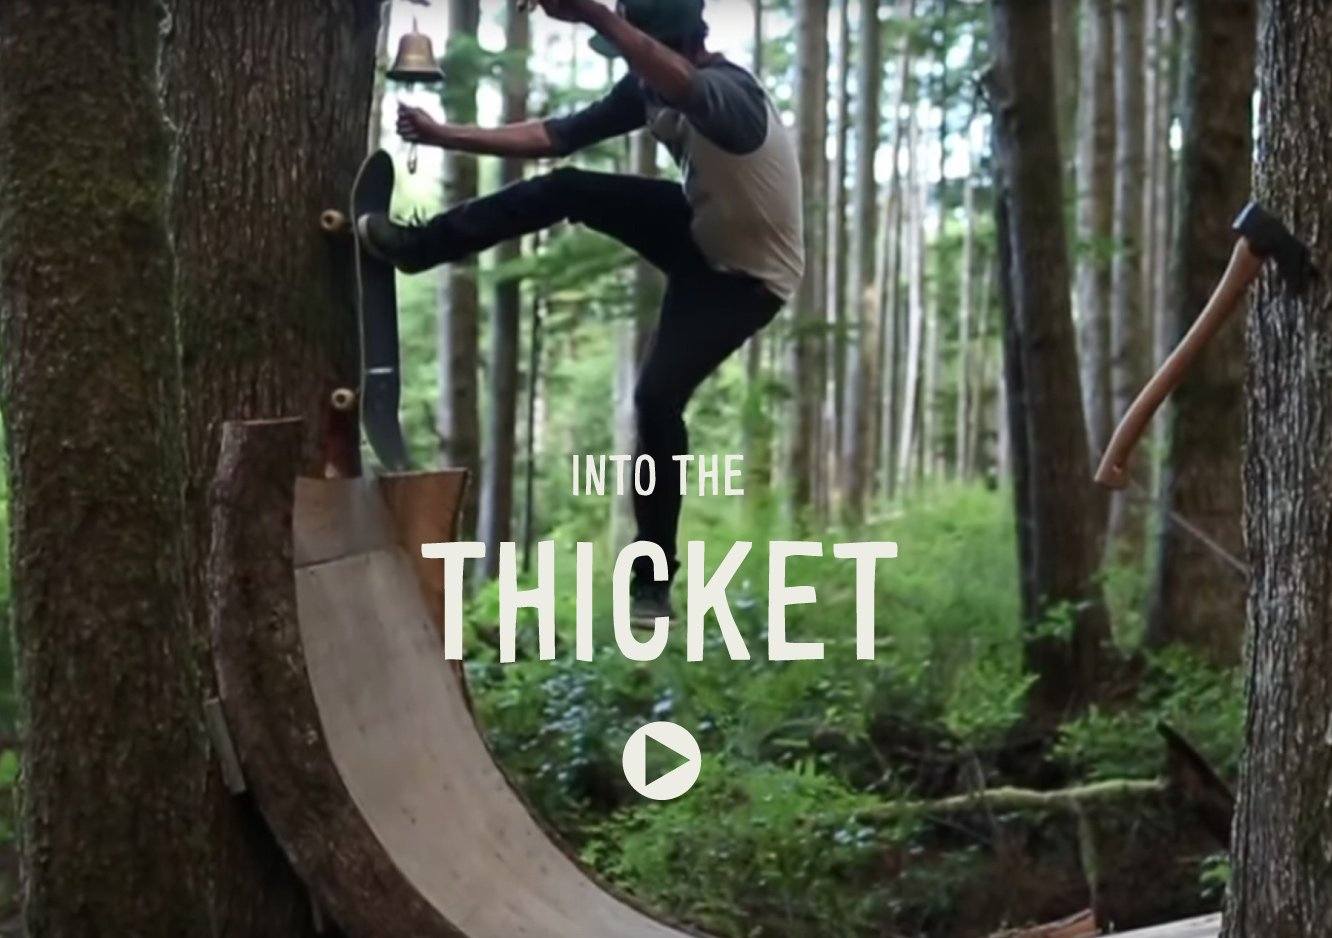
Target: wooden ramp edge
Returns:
[355, 737]
[1208, 926]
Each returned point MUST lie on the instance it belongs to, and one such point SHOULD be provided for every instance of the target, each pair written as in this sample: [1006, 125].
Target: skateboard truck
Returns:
[1262, 237]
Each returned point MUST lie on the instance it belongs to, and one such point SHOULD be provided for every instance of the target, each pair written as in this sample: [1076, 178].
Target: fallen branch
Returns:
[1022, 799]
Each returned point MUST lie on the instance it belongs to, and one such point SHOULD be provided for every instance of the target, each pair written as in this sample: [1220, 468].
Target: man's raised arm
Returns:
[525, 140]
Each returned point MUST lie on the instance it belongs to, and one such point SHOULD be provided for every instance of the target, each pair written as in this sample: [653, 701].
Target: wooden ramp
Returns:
[1209, 926]
[354, 736]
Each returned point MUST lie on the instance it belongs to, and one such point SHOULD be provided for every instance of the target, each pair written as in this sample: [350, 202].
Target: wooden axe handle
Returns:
[1243, 268]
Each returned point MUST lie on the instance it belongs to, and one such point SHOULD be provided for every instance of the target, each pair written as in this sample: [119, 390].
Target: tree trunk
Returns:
[807, 347]
[965, 365]
[915, 303]
[758, 428]
[1127, 327]
[862, 385]
[107, 677]
[1279, 885]
[1063, 555]
[264, 301]
[631, 341]
[459, 422]
[495, 522]
[1197, 600]
[838, 255]
[1163, 179]
[1095, 199]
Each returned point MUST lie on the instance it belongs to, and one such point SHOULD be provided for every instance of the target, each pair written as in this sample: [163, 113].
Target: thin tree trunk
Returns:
[631, 341]
[459, 422]
[838, 255]
[1279, 885]
[107, 676]
[976, 420]
[964, 314]
[807, 347]
[863, 386]
[758, 429]
[495, 522]
[1196, 600]
[264, 302]
[1059, 488]
[1095, 200]
[1163, 181]
[375, 126]
[915, 304]
[1125, 529]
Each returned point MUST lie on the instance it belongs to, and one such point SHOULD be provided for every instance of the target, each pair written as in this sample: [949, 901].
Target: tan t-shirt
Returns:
[738, 161]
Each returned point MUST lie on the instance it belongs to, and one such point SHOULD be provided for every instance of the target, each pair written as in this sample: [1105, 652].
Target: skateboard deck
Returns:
[377, 309]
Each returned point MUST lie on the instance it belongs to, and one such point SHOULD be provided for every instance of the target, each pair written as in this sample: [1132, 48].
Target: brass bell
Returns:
[416, 59]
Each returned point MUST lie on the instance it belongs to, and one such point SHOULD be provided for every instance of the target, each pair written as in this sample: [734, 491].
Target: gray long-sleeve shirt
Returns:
[739, 166]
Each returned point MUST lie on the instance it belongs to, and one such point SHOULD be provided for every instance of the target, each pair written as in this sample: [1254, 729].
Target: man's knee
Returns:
[561, 186]
[656, 408]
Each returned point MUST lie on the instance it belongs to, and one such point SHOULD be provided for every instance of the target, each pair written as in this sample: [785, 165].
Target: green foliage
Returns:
[738, 855]
[1204, 703]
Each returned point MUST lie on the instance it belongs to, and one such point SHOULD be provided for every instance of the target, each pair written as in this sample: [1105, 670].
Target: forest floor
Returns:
[792, 827]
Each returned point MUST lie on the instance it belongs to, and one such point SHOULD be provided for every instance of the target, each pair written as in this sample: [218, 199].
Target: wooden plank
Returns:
[1209, 926]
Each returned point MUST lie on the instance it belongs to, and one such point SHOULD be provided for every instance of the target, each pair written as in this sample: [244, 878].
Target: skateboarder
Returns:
[728, 238]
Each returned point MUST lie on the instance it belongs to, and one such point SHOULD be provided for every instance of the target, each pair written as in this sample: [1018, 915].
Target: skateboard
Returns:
[377, 312]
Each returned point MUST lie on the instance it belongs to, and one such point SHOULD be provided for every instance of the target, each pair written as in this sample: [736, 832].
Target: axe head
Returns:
[1269, 238]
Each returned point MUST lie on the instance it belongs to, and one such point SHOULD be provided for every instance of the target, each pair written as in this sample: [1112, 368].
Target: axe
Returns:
[1262, 237]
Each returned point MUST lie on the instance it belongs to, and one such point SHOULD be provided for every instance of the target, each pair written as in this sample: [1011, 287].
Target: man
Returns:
[728, 240]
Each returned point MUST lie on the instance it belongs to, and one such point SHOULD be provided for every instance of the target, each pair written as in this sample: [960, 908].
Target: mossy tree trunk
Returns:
[1282, 845]
[1198, 600]
[270, 101]
[113, 752]
[1058, 491]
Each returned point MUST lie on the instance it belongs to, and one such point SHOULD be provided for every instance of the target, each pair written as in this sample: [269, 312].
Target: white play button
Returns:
[678, 780]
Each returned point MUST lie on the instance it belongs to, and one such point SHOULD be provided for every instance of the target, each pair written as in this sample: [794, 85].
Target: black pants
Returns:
[705, 314]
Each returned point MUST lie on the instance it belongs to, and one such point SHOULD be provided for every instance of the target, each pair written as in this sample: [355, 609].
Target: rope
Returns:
[1179, 521]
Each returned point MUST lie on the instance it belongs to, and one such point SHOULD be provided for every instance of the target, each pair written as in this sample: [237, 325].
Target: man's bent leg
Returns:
[650, 216]
[704, 318]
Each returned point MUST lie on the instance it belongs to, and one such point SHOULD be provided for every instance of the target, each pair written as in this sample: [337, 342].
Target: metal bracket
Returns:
[215, 719]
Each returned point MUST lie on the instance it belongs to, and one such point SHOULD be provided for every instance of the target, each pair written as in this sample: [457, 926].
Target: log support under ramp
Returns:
[354, 736]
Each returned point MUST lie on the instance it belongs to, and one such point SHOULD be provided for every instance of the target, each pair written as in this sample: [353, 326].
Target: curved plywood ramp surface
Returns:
[355, 736]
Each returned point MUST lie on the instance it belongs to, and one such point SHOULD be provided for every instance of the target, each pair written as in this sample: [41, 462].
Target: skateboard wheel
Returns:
[342, 399]
[334, 222]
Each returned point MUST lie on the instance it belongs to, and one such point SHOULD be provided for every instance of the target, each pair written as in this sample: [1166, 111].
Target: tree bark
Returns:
[1196, 600]
[1280, 887]
[631, 341]
[807, 347]
[915, 260]
[108, 680]
[862, 385]
[1063, 555]
[459, 422]
[758, 425]
[1127, 326]
[495, 522]
[838, 239]
[264, 301]
[965, 365]
[1095, 198]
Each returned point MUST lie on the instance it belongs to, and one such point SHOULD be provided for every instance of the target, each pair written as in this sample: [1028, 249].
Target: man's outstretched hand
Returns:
[416, 126]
